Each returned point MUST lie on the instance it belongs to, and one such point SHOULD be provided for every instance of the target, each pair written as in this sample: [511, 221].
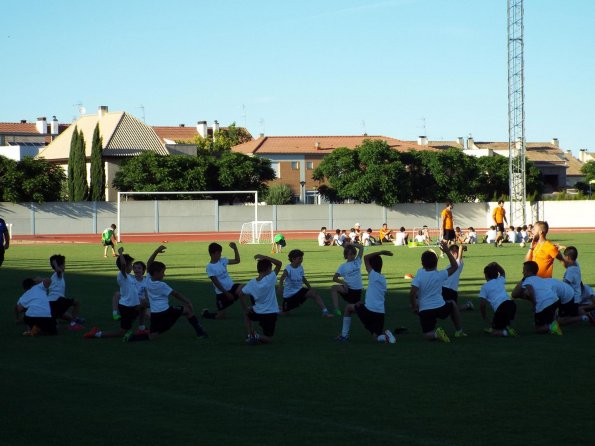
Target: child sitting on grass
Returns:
[264, 298]
[36, 308]
[494, 293]
[59, 304]
[371, 312]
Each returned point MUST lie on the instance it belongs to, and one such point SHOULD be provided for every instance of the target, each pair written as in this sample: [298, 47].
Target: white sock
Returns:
[324, 310]
[115, 312]
[504, 333]
[98, 334]
[72, 323]
[381, 338]
[346, 326]
[584, 318]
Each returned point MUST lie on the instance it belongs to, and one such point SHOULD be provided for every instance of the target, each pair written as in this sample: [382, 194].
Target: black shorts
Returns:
[500, 227]
[504, 315]
[267, 322]
[128, 314]
[60, 306]
[428, 318]
[449, 234]
[291, 302]
[47, 325]
[1, 252]
[223, 301]
[352, 296]
[374, 322]
[449, 294]
[164, 320]
[547, 315]
[568, 309]
[108, 243]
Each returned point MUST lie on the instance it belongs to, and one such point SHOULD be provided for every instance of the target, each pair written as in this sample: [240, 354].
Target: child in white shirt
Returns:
[494, 293]
[348, 277]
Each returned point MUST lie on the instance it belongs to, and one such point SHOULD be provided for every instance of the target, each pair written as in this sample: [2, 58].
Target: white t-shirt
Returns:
[586, 294]
[472, 237]
[352, 274]
[511, 236]
[429, 285]
[141, 288]
[453, 280]
[420, 238]
[518, 238]
[400, 239]
[492, 234]
[544, 295]
[36, 302]
[525, 236]
[564, 291]
[158, 293]
[353, 236]
[321, 238]
[219, 270]
[57, 288]
[494, 292]
[572, 276]
[128, 290]
[294, 280]
[366, 239]
[263, 293]
[374, 300]
[337, 239]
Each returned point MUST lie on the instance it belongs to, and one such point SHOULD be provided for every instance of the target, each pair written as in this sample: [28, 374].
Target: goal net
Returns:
[255, 232]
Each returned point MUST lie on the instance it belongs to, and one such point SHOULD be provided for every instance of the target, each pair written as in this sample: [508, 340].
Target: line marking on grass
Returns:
[324, 423]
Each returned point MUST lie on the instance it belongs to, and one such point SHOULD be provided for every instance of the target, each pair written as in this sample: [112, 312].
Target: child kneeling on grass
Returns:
[34, 303]
[164, 316]
[264, 299]
[426, 296]
[494, 292]
[371, 312]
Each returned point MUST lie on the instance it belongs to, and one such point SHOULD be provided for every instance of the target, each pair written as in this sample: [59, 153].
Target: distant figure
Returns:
[324, 239]
[402, 237]
[4, 239]
[385, 234]
[471, 237]
[447, 223]
[499, 217]
[108, 238]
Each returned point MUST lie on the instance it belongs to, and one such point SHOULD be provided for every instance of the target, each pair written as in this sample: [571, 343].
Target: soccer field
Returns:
[304, 388]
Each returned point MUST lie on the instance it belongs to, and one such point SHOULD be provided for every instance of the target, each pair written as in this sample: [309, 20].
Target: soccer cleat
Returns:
[35, 330]
[591, 316]
[116, 317]
[488, 330]
[390, 338]
[128, 336]
[441, 335]
[460, 334]
[91, 333]
[75, 327]
[338, 313]
[555, 329]
[512, 332]
[342, 338]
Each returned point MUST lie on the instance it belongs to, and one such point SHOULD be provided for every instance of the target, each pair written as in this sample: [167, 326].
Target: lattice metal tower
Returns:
[516, 113]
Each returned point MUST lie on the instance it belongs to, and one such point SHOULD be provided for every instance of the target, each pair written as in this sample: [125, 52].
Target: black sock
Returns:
[196, 325]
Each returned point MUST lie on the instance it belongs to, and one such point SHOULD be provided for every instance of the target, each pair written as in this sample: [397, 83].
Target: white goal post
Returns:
[207, 192]
[255, 232]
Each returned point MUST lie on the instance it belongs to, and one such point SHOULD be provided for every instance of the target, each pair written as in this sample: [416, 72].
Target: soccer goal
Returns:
[122, 195]
[432, 235]
[255, 232]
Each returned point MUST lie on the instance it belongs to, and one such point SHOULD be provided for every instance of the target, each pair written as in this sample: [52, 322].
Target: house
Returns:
[585, 156]
[294, 158]
[21, 139]
[123, 136]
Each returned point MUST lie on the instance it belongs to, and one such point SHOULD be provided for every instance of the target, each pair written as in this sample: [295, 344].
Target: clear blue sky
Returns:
[308, 67]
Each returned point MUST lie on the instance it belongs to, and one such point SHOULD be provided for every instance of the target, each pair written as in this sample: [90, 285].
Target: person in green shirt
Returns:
[108, 238]
[278, 243]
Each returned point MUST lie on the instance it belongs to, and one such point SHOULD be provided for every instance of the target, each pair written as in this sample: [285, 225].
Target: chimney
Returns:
[23, 121]
[317, 145]
[54, 129]
[182, 125]
[470, 143]
[461, 141]
[422, 141]
[102, 111]
[555, 142]
[215, 127]
[261, 135]
[201, 128]
[41, 125]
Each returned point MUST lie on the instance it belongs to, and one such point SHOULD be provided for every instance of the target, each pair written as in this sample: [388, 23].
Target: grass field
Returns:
[304, 388]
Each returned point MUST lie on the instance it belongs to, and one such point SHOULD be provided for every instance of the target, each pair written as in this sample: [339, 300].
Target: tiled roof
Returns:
[318, 144]
[443, 145]
[18, 127]
[574, 166]
[122, 134]
[178, 133]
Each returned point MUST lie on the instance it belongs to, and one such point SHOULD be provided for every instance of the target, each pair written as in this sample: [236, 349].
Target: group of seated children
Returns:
[520, 234]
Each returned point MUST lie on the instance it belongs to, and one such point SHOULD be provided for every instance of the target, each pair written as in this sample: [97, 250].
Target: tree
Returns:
[97, 188]
[372, 172]
[279, 194]
[71, 162]
[7, 168]
[79, 171]
[34, 180]
[588, 169]
[237, 171]
[222, 141]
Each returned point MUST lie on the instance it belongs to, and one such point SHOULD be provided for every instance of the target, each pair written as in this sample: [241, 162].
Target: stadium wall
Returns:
[207, 216]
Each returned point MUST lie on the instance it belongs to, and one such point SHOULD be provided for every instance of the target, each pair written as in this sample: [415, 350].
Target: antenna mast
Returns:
[516, 113]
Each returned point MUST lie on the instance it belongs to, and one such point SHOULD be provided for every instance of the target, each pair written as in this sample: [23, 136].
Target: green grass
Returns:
[303, 388]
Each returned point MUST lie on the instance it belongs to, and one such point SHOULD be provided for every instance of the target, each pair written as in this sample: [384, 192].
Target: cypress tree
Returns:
[71, 163]
[97, 189]
[80, 170]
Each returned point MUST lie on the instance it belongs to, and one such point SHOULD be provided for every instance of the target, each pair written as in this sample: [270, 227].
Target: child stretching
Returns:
[34, 304]
[138, 269]
[264, 299]
[540, 294]
[57, 290]
[129, 302]
[568, 309]
[494, 293]
[291, 281]
[350, 287]
[164, 316]
[226, 292]
[450, 289]
[426, 296]
[371, 312]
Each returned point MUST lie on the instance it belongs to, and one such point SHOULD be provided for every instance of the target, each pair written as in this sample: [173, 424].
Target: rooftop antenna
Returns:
[364, 132]
[81, 109]
[262, 126]
[423, 125]
[142, 108]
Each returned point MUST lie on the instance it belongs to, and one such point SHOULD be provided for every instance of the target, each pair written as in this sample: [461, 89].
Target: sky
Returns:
[399, 68]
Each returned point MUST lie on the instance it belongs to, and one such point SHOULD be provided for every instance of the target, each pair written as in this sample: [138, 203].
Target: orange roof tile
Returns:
[18, 127]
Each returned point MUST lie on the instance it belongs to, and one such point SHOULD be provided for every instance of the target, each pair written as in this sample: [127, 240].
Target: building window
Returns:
[309, 165]
[295, 165]
[277, 168]
[312, 197]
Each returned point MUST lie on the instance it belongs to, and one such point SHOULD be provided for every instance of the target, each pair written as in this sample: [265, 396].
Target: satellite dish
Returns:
[82, 110]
